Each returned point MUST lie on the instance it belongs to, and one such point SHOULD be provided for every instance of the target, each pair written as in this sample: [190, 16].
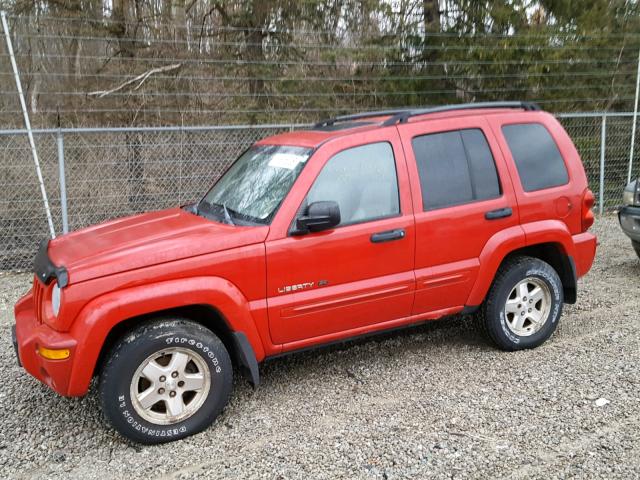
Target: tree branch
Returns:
[140, 79]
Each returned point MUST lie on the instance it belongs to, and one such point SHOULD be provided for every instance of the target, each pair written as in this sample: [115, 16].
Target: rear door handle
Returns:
[388, 236]
[499, 213]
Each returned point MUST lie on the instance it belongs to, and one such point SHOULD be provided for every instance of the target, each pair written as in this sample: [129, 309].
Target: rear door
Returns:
[548, 176]
[463, 196]
[340, 282]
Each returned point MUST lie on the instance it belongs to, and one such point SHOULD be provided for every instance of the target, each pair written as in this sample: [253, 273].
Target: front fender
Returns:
[103, 313]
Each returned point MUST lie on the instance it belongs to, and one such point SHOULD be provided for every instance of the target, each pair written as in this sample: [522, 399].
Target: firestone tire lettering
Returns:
[492, 316]
[154, 337]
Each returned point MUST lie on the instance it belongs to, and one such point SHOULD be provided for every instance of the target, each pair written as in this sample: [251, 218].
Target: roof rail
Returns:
[401, 115]
[360, 116]
[405, 115]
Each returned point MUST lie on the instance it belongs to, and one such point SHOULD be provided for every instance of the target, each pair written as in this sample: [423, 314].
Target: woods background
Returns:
[219, 75]
[185, 62]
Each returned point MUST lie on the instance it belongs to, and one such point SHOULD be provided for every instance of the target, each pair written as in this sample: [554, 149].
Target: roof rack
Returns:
[360, 116]
[401, 115]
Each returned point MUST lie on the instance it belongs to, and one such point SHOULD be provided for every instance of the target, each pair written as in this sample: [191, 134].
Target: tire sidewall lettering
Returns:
[196, 345]
[154, 431]
[126, 409]
[554, 313]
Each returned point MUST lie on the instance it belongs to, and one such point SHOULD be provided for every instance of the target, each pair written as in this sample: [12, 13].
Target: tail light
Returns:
[587, 214]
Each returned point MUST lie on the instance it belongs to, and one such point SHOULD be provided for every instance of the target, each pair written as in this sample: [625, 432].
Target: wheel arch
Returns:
[205, 315]
[211, 302]
[553, 253]
[560, 260]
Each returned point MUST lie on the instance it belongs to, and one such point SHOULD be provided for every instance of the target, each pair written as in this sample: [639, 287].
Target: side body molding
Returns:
[99, 316]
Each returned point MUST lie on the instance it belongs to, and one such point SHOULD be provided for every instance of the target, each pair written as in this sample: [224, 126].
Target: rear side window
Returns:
[454, 168]
[538, 160]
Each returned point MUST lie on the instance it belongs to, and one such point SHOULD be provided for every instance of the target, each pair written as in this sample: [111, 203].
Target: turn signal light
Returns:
[54, 354]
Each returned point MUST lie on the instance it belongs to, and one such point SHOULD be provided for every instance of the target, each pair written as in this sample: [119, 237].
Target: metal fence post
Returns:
[63, 182]
[603, 148]
[27, 122]
[635, 121]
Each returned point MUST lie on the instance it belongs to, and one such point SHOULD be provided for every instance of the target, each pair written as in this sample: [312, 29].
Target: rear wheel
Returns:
[524, 304]
[165, 380]
[636, 247]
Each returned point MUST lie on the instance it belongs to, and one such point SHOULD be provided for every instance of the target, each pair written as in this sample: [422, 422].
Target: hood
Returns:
[144, 240]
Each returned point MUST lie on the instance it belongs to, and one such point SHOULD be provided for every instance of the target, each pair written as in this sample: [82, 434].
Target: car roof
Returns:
[347, 125]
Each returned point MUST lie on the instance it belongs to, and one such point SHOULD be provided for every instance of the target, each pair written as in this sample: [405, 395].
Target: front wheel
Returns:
[636, 247]
[524, 304]
[165, 380]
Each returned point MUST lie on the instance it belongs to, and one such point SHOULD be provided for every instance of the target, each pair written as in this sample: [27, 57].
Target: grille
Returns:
[38, 294]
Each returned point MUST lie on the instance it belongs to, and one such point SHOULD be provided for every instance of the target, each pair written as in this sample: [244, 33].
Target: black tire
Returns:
[492, 313]
[129, 353]
[636, 247]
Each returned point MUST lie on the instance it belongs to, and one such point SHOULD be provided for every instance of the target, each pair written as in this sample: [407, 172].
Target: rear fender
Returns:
[550, 231]
[496, 249]
[515, 238]
[102, 314]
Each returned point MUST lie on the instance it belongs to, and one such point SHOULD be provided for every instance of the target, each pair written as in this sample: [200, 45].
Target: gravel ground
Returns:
[433, 401]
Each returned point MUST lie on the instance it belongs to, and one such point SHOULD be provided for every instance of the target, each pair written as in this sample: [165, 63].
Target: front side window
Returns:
[362, 180]
[454, 168]
[251, 191]
[538, 160]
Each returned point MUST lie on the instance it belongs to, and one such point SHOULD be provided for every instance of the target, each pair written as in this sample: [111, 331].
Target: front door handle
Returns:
[388, 236]
[499, 213]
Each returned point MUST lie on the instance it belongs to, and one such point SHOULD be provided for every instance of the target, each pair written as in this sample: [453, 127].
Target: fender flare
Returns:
[514, 238]
[494, 252]
[103, 313]
[555, 232]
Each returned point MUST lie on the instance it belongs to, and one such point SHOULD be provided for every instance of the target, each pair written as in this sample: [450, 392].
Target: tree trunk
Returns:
[431, 15]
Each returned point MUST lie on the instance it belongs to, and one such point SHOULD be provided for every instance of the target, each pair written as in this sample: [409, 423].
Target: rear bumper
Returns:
[29, 335]
[629, 218]
[585, 245]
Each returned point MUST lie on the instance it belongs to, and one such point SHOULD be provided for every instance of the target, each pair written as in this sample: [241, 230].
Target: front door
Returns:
[326, 285]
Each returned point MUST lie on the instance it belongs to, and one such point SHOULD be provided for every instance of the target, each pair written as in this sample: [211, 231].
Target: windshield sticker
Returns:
[286, 160]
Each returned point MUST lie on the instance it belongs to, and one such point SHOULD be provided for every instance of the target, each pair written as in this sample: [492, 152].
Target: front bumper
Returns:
[30, 335]
[629, 217]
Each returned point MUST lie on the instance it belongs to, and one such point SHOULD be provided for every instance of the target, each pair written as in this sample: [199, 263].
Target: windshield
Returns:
[253, 188]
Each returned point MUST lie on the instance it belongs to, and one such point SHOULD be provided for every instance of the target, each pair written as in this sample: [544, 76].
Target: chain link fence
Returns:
[110, 173]
[107, 173]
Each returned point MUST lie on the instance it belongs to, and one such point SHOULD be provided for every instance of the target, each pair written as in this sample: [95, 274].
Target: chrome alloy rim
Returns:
[170, 386]
[528, 306]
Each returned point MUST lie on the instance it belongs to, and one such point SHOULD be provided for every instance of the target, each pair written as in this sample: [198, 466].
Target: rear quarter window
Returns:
[535, 153]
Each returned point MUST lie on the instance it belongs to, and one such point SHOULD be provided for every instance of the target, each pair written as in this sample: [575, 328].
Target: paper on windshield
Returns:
[286, 160]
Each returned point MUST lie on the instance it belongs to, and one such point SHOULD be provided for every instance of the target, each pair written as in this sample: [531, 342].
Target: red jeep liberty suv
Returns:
[360, 224]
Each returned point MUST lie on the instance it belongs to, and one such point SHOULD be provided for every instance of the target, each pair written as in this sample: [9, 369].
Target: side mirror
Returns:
[319, 216]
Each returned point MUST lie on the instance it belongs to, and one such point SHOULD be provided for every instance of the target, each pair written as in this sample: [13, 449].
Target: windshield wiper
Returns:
[204, 208]
[227, 215]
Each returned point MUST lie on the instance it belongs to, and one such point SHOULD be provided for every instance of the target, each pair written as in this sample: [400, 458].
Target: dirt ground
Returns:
[433, 401]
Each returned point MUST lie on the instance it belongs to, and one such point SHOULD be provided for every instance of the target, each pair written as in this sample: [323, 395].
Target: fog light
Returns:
[54, 354]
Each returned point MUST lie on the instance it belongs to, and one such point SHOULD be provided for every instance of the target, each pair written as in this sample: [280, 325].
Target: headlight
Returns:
[627, 197]
[631, 193]
[56, 297]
